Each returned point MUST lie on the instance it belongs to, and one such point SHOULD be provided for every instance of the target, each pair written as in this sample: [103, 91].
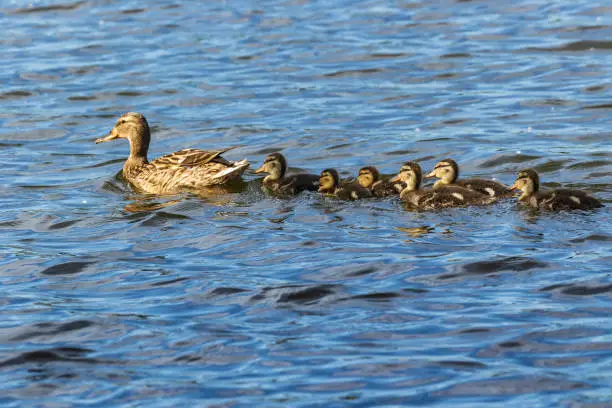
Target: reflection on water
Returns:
[235, 297]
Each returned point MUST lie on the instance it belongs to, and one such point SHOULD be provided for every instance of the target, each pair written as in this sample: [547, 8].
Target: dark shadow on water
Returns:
[61, 354]
[51, 329]
[67, 268]
[579, 289]
[510, 264]
[296, 294]
[56, 7]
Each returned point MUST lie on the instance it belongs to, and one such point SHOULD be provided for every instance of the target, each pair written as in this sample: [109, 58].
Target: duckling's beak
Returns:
[260, 170]
[513, 187]
[395, 178]
[111, 136]
[431, 174]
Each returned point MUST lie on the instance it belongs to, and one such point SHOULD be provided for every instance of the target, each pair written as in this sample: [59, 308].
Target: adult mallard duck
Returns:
[187, 169]
[447, 171]
[330, 185]
[369, 177]
[443, 197]
[275, 165]
[528, 182]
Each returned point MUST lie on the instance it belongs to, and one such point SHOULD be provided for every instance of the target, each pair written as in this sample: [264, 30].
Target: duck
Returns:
[528, 181]
[447, 171]
[445, 197]
[369, 177]
[275, 165]
[187, 169]
[330, 185]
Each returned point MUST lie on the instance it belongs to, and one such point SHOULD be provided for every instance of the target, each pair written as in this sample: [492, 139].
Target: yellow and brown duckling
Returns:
[528, 182]
[447, 171]
[369, 177]
[275, 165]
[330, 185]
[444, 197]
[187, 169]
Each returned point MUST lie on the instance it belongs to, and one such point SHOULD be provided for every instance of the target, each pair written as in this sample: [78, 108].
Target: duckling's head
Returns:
[411, 174]
[368, 176]
[275, 165]
[528, 182]
[328, 181]
[134, 127]
[446, 170]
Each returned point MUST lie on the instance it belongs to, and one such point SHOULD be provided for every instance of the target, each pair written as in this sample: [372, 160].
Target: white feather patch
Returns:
[575, 199]
[354, 195]
[458, 195]
[490, 191]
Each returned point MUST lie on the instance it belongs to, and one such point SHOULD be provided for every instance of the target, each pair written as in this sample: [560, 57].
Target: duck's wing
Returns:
[384, 188]
[488, 187]
[193, 158]
[566, 200]
[353, 191]
[300, 182]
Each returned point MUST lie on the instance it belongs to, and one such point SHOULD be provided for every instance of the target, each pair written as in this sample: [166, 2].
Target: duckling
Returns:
[330, 185]
[187, 169]
[369, 177]
[447, 171]
[275, 165]
[444, 197]
[528, 182]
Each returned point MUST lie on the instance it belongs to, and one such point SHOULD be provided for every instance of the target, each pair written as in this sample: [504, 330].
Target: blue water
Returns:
[111, 297]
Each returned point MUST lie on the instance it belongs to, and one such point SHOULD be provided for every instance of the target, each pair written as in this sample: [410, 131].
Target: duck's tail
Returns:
[236, 170]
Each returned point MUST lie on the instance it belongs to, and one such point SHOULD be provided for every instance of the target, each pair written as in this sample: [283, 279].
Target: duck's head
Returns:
[134, 127]
[275, 165]
[527, 181]
[446, 170]
[368, 176]
[410, 174]
[328, 181]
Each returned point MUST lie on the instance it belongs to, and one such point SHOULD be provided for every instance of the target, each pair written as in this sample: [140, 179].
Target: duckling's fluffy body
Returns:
[447, 171]
[187, 169]
[330, 185]
[275, 165]
[528, 181]
[369, 177]
[441, 197]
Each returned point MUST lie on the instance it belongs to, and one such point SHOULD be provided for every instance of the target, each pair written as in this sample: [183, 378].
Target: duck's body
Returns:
[528, 182]
[369, 177]
[187, 169]
[276, 181]
[442, 197]
[447, 171]
[330, 185]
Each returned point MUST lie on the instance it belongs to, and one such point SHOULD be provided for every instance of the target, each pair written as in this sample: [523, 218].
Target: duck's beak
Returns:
[111, 136]
[395, 178]
[260, 170]
[513, 187]
[431, 174]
